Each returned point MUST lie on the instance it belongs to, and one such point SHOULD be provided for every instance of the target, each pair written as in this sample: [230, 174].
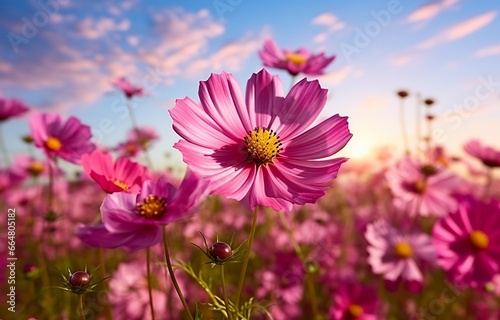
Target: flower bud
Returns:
[220, 250]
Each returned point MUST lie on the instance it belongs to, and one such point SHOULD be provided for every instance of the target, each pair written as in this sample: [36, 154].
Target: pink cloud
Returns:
[459, 30]
[229, 58]
[488, 51]
[332, 24]
[97, 28]
[470, 26]
[402, 60]
[336, 77]
[429, 11]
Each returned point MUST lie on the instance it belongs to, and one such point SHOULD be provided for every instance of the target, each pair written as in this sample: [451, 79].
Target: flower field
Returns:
[269, 218]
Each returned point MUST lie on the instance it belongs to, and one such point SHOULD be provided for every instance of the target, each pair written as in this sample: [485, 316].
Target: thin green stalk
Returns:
[309, 280]
[82, 312]
[136, 128]
[50, 191]
[292, 82]
[172, 275]
[418, 125]
[247, 257]
[150, 292]
[107, 309]
[226, 301]
[403, 127]
[4, 149]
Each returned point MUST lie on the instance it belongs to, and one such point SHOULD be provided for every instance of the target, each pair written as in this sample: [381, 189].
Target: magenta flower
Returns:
[69, 140]
[30, 166]
[422, 189]
[127, 88]
[397, 255]
[122, 175]
[129, 293]
[355, 301]
[489, 156]
[10, 178]
[134, 221]
[295, 62]
[143, 136]
[468, 242]
[262, 148]
[129, 148]
[10, 108]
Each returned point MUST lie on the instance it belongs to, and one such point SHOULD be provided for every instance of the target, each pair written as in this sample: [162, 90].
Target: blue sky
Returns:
[448, 50]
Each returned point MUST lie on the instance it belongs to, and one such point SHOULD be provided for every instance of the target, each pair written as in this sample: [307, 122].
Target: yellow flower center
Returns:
[420, 186]
[403, 250]
[121, 184]
[153, 207]
[479, 239]
[355, 310]
[295, 58]
[35, 168]
[53, 144]
[262, 146]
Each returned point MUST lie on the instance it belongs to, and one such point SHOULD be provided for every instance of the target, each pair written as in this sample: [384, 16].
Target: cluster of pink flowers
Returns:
[329, 238]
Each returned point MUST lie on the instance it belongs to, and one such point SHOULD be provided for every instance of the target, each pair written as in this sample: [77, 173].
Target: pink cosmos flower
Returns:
[261, 148]
[29, 166]
[129, 293]
[129, 148]
[122, 175]
[134, 221]
[423, 189]
[468, 242]
[295, 62]
[489, 156]
[396, 255]
[10, 108]
[355, 301]
[127, 88]
[284, 283]
[10, 178]
[68, 140]
[143, 136]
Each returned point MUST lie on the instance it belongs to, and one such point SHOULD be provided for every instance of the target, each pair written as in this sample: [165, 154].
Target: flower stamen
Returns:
[121, 184]
[152, 207]
[403, 250]
[53, 144]
[262, 145]
[295, 58]
[479, 240]
[355, 310]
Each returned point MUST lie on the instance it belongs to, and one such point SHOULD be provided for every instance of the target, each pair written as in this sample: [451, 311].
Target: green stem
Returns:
[309, 280]
[226, 301]
[4, 149]
[82, 312]
[107, 309]
[418, 125]
[247, 257]
[148, 267]
[172, 275]
[50, 191]
[292, 82]
[403, 127]
[138, 132]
